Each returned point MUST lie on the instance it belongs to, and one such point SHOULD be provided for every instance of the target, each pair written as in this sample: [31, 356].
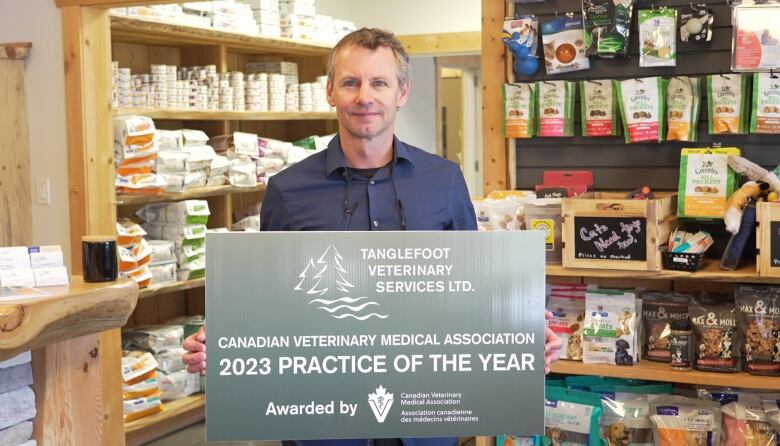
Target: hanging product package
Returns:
[765, 116]
[727, 103]
[678, 420]
[696, 23]
[758, 321]
[642, 105]
[599, 108]
[571, 417]
[555, 108]
[519, 110]
[607, 25]
[683, 100]
[658, 37]
[563, 45]
[706, 182]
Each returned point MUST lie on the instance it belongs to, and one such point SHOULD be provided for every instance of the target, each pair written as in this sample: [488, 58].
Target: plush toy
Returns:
[753, 171]
[757, 190]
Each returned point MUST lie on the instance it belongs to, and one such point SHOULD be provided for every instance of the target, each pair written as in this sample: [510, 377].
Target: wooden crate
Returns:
[607, 231]
[768, 239]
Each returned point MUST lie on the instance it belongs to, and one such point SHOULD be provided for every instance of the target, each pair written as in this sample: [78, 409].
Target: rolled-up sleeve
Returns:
[274, 215]
[461, 209]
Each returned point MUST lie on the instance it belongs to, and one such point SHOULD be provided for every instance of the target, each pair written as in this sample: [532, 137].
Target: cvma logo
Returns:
[380, 403]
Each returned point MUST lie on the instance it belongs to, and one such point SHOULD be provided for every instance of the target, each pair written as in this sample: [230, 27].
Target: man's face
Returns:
[365, 91]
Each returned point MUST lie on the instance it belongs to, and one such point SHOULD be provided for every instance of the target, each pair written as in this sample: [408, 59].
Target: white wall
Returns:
[408, 16]
[416, 121]
[38, 21]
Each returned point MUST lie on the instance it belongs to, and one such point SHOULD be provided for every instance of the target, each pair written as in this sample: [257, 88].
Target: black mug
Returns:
[99, 258]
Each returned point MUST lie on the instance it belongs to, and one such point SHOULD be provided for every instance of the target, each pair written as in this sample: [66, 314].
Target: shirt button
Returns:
[371, 182]
[376, 223]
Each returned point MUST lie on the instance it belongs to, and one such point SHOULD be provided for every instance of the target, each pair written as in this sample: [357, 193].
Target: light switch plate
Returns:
[42, 191]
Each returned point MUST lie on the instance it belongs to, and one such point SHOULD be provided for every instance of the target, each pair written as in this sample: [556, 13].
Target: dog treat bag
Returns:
[599, 108]
[610, 330]
[625, 419]
[555, 108]
[564, 46]
[659, 310]
[658, 37]
[568, 311]
[519, 110]
[607, 25]
[758, 320]
[765, 117]
[745, 421]
[642, 108]
[683, 99]
[715, 330]
[727, 103]
[706, 182]
[681, 421]
[571, 417]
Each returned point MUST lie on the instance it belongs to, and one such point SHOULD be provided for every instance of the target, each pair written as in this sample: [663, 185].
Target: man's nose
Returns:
[364, 94]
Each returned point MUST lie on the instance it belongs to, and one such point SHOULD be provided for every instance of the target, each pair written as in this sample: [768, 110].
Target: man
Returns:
[367, 179]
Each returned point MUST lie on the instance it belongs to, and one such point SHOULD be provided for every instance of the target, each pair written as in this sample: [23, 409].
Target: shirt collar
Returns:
[335, 155]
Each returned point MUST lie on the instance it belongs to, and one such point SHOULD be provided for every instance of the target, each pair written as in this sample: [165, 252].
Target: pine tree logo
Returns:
[328, 276]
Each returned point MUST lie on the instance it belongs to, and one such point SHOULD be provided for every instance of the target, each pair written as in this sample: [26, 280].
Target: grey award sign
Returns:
[374, 334]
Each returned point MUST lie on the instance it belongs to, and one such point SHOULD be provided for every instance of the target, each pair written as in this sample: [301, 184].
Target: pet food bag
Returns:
[727, 103]
[642, 108]
[555, 108]
[625, 419]
[680, 421]
[599, 108]
[658, 37]
[715, 330]
[745, 420]
[765, 116]
[607, 25]
[609, 336]
[568, 311]
[772, 412]
[187, 212]
[758, 321]
[519, 110]
[659, 310]
[571, 417]
[683, 100]
[525, 31]
[564, 45]
[706, 182]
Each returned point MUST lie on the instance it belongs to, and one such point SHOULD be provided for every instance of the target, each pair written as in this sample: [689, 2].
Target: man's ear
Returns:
[329, 93]
[404, 93]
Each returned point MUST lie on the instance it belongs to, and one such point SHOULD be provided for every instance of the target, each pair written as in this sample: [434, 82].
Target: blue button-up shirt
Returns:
[321, 194]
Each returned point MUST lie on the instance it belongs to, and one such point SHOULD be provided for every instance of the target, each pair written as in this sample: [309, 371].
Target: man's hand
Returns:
[195, 358]
[552, 345]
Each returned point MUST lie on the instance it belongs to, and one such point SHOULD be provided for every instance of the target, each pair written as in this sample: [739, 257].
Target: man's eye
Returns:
[350, 83]
[380, 83]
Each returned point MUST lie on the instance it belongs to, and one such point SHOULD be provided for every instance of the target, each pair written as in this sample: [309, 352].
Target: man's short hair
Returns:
[373, 38]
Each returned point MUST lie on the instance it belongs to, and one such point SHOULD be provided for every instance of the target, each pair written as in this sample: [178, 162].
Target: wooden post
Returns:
[80, 399]
[494, 155]
[15, 197]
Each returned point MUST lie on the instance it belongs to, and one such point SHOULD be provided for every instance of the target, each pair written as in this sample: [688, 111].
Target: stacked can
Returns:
[159, 90]
[266, 14]
[257, 92]
[141, 95]
[305, 98]
[239, 92]
[291, 98]
[225, 92]
[124, 87]
[176, 91]
[276, 92]
[319, 94]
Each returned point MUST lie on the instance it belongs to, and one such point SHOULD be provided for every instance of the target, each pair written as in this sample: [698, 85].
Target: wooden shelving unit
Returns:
[177, 414]
[190, 194]
[711, 273]
[172, 288]
[215, 115]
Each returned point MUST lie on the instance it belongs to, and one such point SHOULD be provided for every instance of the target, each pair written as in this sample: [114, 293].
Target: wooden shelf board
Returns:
[657, 371]
[218, 115]
[64, 312]
[154, 32]
[177, 414]
[200, 192]
[172, 287]
[711, 272]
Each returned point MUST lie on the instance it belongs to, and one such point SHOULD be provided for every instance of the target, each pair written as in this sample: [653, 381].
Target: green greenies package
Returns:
[683, 100]
[727, 103]
[519, 110]
[642, 108]
[555, 108]
[658, 37]
[766, 104]
[599, 108]
[571, 417]
[607, 25]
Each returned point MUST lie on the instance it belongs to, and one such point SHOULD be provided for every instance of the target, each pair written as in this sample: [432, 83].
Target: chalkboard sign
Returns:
[774, 244]
[610, 238]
